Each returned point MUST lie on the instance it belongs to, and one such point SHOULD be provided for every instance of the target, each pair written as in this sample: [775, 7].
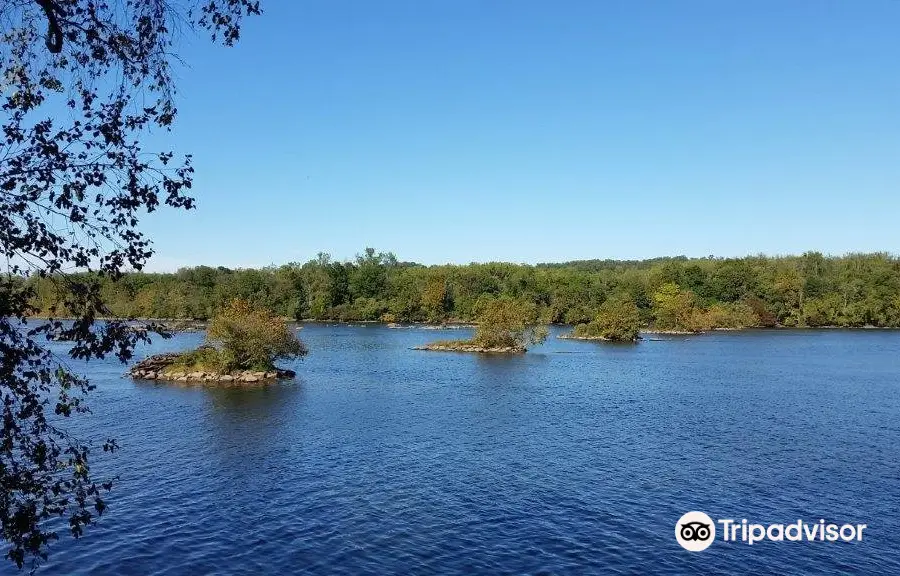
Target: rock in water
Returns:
[157, 368]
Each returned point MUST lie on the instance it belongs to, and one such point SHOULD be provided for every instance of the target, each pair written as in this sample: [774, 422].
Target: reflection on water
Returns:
[264, 400]
[253, 415]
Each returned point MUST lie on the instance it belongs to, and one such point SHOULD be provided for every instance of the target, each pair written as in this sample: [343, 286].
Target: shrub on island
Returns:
[243, 343]
[618, 320]
[504, 325]
[250, 337]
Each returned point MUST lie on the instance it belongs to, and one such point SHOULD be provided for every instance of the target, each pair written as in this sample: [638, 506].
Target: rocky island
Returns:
[505, 326]
[618, 320]
[243, 343]
[170, 367]
[470, 346]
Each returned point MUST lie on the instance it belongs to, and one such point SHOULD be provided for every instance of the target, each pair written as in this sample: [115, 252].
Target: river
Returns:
[574, 458]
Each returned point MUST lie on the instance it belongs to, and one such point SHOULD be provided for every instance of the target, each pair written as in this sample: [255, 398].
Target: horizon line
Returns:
[680, 257]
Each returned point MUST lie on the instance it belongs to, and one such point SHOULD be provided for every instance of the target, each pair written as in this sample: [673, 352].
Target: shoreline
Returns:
[567, 336]
[158, 367]
[198, 325]
[468, 347]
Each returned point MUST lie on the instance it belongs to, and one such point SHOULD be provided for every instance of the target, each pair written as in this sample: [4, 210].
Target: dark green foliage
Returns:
[809, 290]
[618, 320]
[339, 284]
[370, 275]
[301, 301]
[83, 83]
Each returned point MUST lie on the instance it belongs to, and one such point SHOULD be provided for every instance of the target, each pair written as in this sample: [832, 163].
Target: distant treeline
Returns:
[670, 293]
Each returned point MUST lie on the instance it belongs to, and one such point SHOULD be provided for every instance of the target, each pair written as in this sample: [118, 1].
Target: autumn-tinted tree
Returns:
[508, 323]
[851, 290]
[673, 308]
[251, 337]
[83, 81]
[618, 320]
[731, 315]
[437, 299]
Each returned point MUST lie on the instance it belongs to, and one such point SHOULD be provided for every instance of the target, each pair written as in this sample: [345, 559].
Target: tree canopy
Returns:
[83, 82]
[670, 294]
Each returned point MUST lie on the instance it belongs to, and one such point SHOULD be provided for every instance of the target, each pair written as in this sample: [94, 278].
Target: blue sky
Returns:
[525, 131]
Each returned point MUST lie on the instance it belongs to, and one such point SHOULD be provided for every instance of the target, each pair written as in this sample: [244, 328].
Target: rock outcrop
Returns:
[159, 367]
[465, 346]
[184, 325]
[574, 337]
[571, 336]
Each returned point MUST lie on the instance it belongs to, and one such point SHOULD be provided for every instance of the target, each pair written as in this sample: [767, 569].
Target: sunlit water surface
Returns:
[575, 458]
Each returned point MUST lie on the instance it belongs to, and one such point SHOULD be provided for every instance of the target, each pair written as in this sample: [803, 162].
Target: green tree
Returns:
[508, 323]
[301, 306]
[250, 337]
[731, 279]
[673, 307]
[369, 277]
[317, 280]
[84, 83]
[404, 303]
[339, 284]
[618, 320]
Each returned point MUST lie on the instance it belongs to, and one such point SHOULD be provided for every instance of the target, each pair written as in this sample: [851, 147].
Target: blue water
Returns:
[575, 458]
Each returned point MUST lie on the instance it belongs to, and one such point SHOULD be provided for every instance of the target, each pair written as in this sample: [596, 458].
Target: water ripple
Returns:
[575, 458]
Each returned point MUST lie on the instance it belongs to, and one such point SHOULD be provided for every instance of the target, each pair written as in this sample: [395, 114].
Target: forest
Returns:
[677, 293]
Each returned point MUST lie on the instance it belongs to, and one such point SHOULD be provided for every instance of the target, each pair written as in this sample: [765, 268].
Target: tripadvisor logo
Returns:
[696, 531]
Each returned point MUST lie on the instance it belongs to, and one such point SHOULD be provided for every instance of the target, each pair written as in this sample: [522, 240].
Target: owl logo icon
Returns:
[695, 531]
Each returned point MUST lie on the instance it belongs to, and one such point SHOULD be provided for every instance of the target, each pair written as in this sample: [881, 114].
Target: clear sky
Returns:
[529, 131]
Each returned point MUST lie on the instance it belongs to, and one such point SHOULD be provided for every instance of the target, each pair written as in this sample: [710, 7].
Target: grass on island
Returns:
[504, 325]
[474, 345]
[203, 359]
[241, 337]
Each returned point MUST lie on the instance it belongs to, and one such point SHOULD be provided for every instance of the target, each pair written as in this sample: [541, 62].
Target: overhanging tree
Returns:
[83, 82]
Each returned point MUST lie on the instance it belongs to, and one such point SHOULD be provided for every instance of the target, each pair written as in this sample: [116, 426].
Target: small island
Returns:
[505, 326]
[243, 343]
[674, 312]
[618, 320]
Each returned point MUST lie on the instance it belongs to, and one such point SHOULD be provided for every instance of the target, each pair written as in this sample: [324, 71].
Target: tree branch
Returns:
[53, 12]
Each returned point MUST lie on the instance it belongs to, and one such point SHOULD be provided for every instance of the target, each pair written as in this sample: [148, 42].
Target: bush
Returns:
[203, 359]
[618, 319]
[249, 337]
[366, 309]
[505, 323]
